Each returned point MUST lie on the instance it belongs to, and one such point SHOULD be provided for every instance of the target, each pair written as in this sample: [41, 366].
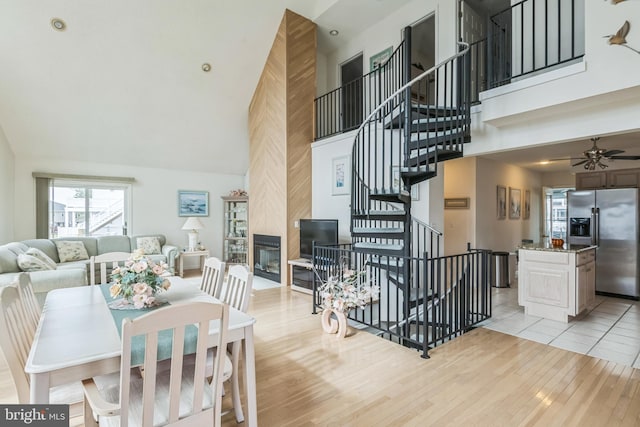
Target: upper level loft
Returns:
[511, 46]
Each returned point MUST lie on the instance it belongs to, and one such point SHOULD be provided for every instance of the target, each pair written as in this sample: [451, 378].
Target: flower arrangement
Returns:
[348, 289]
[139, 280]
[237, 193]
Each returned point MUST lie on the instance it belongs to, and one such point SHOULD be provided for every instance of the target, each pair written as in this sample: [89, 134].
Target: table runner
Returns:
[165, 337]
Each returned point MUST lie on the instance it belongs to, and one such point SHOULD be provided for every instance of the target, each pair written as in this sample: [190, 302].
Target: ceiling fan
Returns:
[594, 156]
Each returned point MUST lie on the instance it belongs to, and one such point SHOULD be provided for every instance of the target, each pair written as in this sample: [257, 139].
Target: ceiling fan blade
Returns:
[612, 153]
[566, 158]
[624, 157]
[580, 163]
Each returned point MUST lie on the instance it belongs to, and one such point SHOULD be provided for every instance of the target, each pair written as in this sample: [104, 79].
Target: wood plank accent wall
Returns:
[280, 136]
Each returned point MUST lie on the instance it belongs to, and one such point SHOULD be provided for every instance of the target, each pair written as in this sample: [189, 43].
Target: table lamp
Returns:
[193, 224]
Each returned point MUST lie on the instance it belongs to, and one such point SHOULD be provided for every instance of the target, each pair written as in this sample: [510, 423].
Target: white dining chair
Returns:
[104, 261]
[180, 396]
[235, 292]
[212, 276]
[29, 302]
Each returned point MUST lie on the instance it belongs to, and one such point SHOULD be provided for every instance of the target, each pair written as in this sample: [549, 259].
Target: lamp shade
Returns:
[192, 223]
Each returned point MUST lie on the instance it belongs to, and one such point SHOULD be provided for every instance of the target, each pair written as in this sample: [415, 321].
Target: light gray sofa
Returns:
[70, 274]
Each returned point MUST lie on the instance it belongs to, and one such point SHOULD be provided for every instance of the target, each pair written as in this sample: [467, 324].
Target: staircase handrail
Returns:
[411, 82]
[370, 117]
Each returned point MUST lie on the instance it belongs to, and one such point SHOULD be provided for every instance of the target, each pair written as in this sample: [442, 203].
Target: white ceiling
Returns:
[123, 84]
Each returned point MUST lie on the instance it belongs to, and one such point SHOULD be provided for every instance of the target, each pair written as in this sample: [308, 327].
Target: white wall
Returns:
[154, 197]
[324, 205]
[460, 224]
[505, 234]
[389, 32]
[7, 161]
[558, 179]
[573, 103]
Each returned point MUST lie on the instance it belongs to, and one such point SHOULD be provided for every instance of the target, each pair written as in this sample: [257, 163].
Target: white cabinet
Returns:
[556, 284]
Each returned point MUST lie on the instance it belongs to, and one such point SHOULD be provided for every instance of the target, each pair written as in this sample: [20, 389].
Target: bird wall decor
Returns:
[620, 38]
[616, 1]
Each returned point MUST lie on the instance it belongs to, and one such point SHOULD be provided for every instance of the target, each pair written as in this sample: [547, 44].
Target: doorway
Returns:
[352, 99]
[423, 55]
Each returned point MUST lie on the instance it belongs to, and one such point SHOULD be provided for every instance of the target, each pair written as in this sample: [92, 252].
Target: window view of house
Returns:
[87, 210]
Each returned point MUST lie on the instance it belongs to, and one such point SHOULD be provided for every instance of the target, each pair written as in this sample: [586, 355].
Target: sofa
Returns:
[73, 273]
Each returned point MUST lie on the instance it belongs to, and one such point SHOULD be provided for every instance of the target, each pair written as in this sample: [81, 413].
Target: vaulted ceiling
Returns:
[124, 84]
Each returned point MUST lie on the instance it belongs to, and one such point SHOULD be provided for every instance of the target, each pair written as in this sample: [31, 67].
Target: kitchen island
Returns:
[556, 282]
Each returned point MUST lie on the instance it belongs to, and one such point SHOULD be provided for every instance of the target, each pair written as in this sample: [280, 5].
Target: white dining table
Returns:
[77, 339]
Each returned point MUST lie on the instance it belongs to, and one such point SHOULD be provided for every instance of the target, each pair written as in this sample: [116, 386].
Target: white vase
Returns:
[333, 326]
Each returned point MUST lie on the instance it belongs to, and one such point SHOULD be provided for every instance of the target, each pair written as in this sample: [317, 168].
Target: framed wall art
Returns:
[457, 203]
[193, 203]
[341, 175]
[515, 203]
[501, 202]
[380, 58]
[526, 208]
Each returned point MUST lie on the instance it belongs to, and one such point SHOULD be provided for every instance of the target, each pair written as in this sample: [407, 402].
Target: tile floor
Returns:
[610, 330]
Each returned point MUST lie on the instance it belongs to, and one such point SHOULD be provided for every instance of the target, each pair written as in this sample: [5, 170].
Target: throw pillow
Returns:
[42, 257]
[150, 245]
[71, 250]
[28, 262]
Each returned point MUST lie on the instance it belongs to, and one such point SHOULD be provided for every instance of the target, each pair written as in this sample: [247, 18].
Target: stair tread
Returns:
[388, 212]
[379, 246]
[377, 230]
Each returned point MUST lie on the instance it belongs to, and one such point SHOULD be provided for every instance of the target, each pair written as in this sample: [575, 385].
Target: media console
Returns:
[301, 273]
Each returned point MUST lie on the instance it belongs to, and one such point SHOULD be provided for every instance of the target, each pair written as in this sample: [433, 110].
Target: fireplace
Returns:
[266, 257]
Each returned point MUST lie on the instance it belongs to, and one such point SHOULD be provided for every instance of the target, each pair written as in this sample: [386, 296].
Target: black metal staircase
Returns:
[425, 298]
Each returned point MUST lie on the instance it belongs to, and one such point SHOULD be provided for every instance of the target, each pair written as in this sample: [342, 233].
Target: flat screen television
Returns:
[320, 231]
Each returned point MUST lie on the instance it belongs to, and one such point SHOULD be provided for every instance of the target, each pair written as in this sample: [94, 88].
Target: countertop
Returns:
[564, 248]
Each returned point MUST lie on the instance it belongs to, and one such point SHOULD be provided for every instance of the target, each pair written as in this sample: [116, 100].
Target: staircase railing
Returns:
[343, 109]
[531, 36]
[377, 154]
[445, 296]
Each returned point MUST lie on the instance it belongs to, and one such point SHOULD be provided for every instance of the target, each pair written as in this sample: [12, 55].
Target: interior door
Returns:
[472, 29]
[352, 97]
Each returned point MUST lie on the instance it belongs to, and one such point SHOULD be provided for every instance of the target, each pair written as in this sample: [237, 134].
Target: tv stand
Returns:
[301, 273]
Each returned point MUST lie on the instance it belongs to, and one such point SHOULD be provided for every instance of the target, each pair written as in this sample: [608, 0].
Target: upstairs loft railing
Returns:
[531, 36]
[344, 108]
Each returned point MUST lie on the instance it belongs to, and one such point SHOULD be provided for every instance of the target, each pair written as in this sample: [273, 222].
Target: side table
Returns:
[186, 254]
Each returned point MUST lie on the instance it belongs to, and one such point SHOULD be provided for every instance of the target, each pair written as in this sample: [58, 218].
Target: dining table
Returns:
[77, 338]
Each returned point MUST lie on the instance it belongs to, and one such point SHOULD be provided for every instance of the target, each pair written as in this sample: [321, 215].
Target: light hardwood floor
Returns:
[484, 378]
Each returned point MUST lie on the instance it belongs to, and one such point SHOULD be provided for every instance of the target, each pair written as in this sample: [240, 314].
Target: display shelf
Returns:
[235, 244]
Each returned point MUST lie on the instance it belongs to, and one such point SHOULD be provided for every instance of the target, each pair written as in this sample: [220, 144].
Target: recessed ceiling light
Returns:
[58, 24]
[334, 32]
[206, 67]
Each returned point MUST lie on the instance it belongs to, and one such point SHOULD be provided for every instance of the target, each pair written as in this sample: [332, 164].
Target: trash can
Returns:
[500, 270]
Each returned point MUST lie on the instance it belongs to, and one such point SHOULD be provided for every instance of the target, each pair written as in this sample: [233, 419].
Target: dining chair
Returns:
[16, 337]
[29, 302]
[104, 261]
[235, 292]
[180, 396]
[212, 276]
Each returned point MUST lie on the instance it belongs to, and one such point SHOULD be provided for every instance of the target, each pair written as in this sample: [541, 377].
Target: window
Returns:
[556, 213]
[70, 206]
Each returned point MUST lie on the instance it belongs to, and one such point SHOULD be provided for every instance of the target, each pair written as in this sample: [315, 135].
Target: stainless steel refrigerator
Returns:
[608, 219]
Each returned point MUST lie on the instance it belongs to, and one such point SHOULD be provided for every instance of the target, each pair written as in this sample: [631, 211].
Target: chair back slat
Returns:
[175, 317]
[30, 303]
[212, 276]
[109, 259]
[16, 338]
[238, 287]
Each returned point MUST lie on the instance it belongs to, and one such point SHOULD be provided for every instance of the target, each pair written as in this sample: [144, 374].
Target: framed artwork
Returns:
[193, 203]
[341, 175]
[501, 205]
[515, 203]
[526, 211]
[380, 58]
[457, 203]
